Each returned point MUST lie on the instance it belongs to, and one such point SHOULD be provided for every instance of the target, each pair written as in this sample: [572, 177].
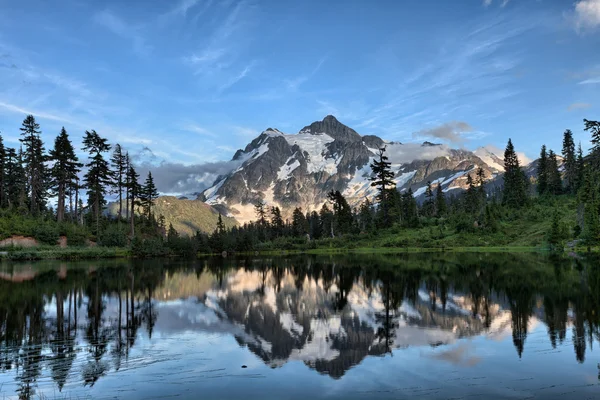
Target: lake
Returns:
[431, 326]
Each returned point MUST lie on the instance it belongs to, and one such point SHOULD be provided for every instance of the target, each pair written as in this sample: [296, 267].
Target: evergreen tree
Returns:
[326, 218]
[570, 161]
[410, 211]
[148, 195]
[580, 169]
[16, 180]
[542, 172]
[98, 176]
[221, 230]
[127, 184]
[554, 179]
[314, 225]
[365, 216]
[35, 167]
[481, 186]
[261, 213]
[440, 202]
[3, 199]
[119, 163]
[342, 212]
[515, 183]
[471, 197]
[134, 189]
[594, 128]
[64, 170]
[382, 179]
[277, 223]
[21, 182]
[299, 223]
[428, 209]
[555, 235]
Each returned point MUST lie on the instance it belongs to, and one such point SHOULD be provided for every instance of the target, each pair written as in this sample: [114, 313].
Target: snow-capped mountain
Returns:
[298, 170]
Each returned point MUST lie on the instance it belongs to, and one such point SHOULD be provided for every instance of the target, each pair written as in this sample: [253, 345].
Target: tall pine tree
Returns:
[64, 170]
[382, 179]
[515, 184]
[149, 195]
[594, 128]
[570, 161]
[3, 200]
[35, 167]
[134, 190]
[542, 172]
[554, 179]
[98, 177]
[119, 167]
[440, 202]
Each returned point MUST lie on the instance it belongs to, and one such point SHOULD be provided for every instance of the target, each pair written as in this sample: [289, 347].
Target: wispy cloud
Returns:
[182, 7]
[38, 113]
[585, 15]
[591, 81]
[218, 47]
[294, 84]
[121, 28]
[578, 106]
[198, 130]
[487, 3]
[236, 78]
[469, 69]
[450, 131]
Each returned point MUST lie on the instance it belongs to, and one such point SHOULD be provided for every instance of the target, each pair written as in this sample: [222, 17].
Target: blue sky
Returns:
[196, 79]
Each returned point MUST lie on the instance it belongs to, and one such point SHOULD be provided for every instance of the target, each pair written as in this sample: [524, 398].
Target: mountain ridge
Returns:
[298, 170]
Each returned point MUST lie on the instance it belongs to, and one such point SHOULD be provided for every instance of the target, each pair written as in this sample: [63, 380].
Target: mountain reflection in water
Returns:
[67, 327]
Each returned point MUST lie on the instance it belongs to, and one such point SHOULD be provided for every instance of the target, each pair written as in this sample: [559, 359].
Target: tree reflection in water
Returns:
[80, 321]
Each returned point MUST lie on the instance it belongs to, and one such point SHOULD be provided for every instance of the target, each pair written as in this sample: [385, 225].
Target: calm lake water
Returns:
[440, 326]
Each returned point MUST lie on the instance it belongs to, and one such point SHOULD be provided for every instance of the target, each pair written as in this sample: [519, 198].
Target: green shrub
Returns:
[46, 233]
[113, 236]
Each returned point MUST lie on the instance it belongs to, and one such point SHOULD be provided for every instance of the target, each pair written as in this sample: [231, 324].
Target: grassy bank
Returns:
[69, 253]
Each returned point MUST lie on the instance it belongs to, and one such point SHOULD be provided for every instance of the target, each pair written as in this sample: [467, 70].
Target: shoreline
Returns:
[95, 253]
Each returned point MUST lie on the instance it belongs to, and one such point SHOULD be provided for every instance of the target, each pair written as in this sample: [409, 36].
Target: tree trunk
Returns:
[77, 200]
[120, 200]
[60, 212]
[132, 218]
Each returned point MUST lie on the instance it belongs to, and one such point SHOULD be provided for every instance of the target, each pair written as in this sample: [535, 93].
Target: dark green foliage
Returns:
[120, 165]
[366, 216]
[148, 195]
[261, 213]
[515, 182]
[554, 179]
[410, 211]
[46, 232]
[277, 224]
[428, 209]
[64, 171]
[34, 162]
[326, 217]
[556, 234]
[98, 176]
[299, 223]
[594, 128]
[3, 199]
[542, 172]
[570, 162]
[113, 236]
[471, 197]
[440, 202]
[342, 213]
[134, 190]
[383, 181]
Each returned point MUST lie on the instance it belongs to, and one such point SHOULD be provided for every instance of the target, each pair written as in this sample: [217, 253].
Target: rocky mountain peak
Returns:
[334, 128]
